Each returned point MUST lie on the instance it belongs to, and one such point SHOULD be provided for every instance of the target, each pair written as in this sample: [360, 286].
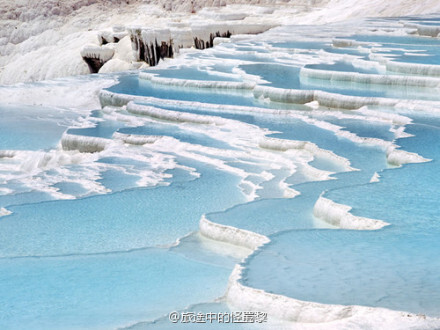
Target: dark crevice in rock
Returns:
[103, 41]
[201, 44]
[153, 52]
[94, 64]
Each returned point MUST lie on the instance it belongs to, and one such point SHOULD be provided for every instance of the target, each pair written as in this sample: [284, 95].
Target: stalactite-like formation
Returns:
[96, 56]
[202, 44]
[153, 45]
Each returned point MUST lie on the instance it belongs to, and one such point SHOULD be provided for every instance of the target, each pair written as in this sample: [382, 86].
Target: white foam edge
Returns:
[363, 140]
[394, 118]
[355, 115]
[29, 165]
[231, 235]
[375, 178]
[328, 316]
[315, 174]
[136, 139]
[204, 64]
[122, 99]
[187, 83]
[256, 79]
[396, 121]
[339, 101]
[378, 116]
[268, 143]
[399, 132]
[190, 151]
[398, 157]
[4, 212]
[339, 215]
[218, 247]
[284, 145]
[174, 116]
[364, 64]
[75, 149]
[114, 99]
[235, 74]
[376, 79]
[282, 307]
[288, 192]
[108, 98]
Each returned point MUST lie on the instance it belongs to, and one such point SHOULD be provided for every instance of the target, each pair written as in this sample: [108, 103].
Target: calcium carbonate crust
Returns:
[51, 34]
[296, 313]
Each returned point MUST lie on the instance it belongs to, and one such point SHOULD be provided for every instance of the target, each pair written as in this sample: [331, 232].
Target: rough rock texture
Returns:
[49, 34]
[42, 39]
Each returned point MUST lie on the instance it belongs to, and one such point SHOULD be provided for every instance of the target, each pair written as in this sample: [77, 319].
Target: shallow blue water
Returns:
[133, 255]
[419, 18]
[118, 180]
[316, 45]
[326, 266]
[132, 85]
[351, 51]
[31, 128]
[104, 129]
[365, 129]
[176, 132]
[69, 188]
[341, 66]
[277, 75]
[363, 90]
[244, 56]
[422, 54]
[419, 59]
[396, 40]
[433, 23]
[102, 291]
[294, 129]
[191, 73]
[398, 264]
[114, 222]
